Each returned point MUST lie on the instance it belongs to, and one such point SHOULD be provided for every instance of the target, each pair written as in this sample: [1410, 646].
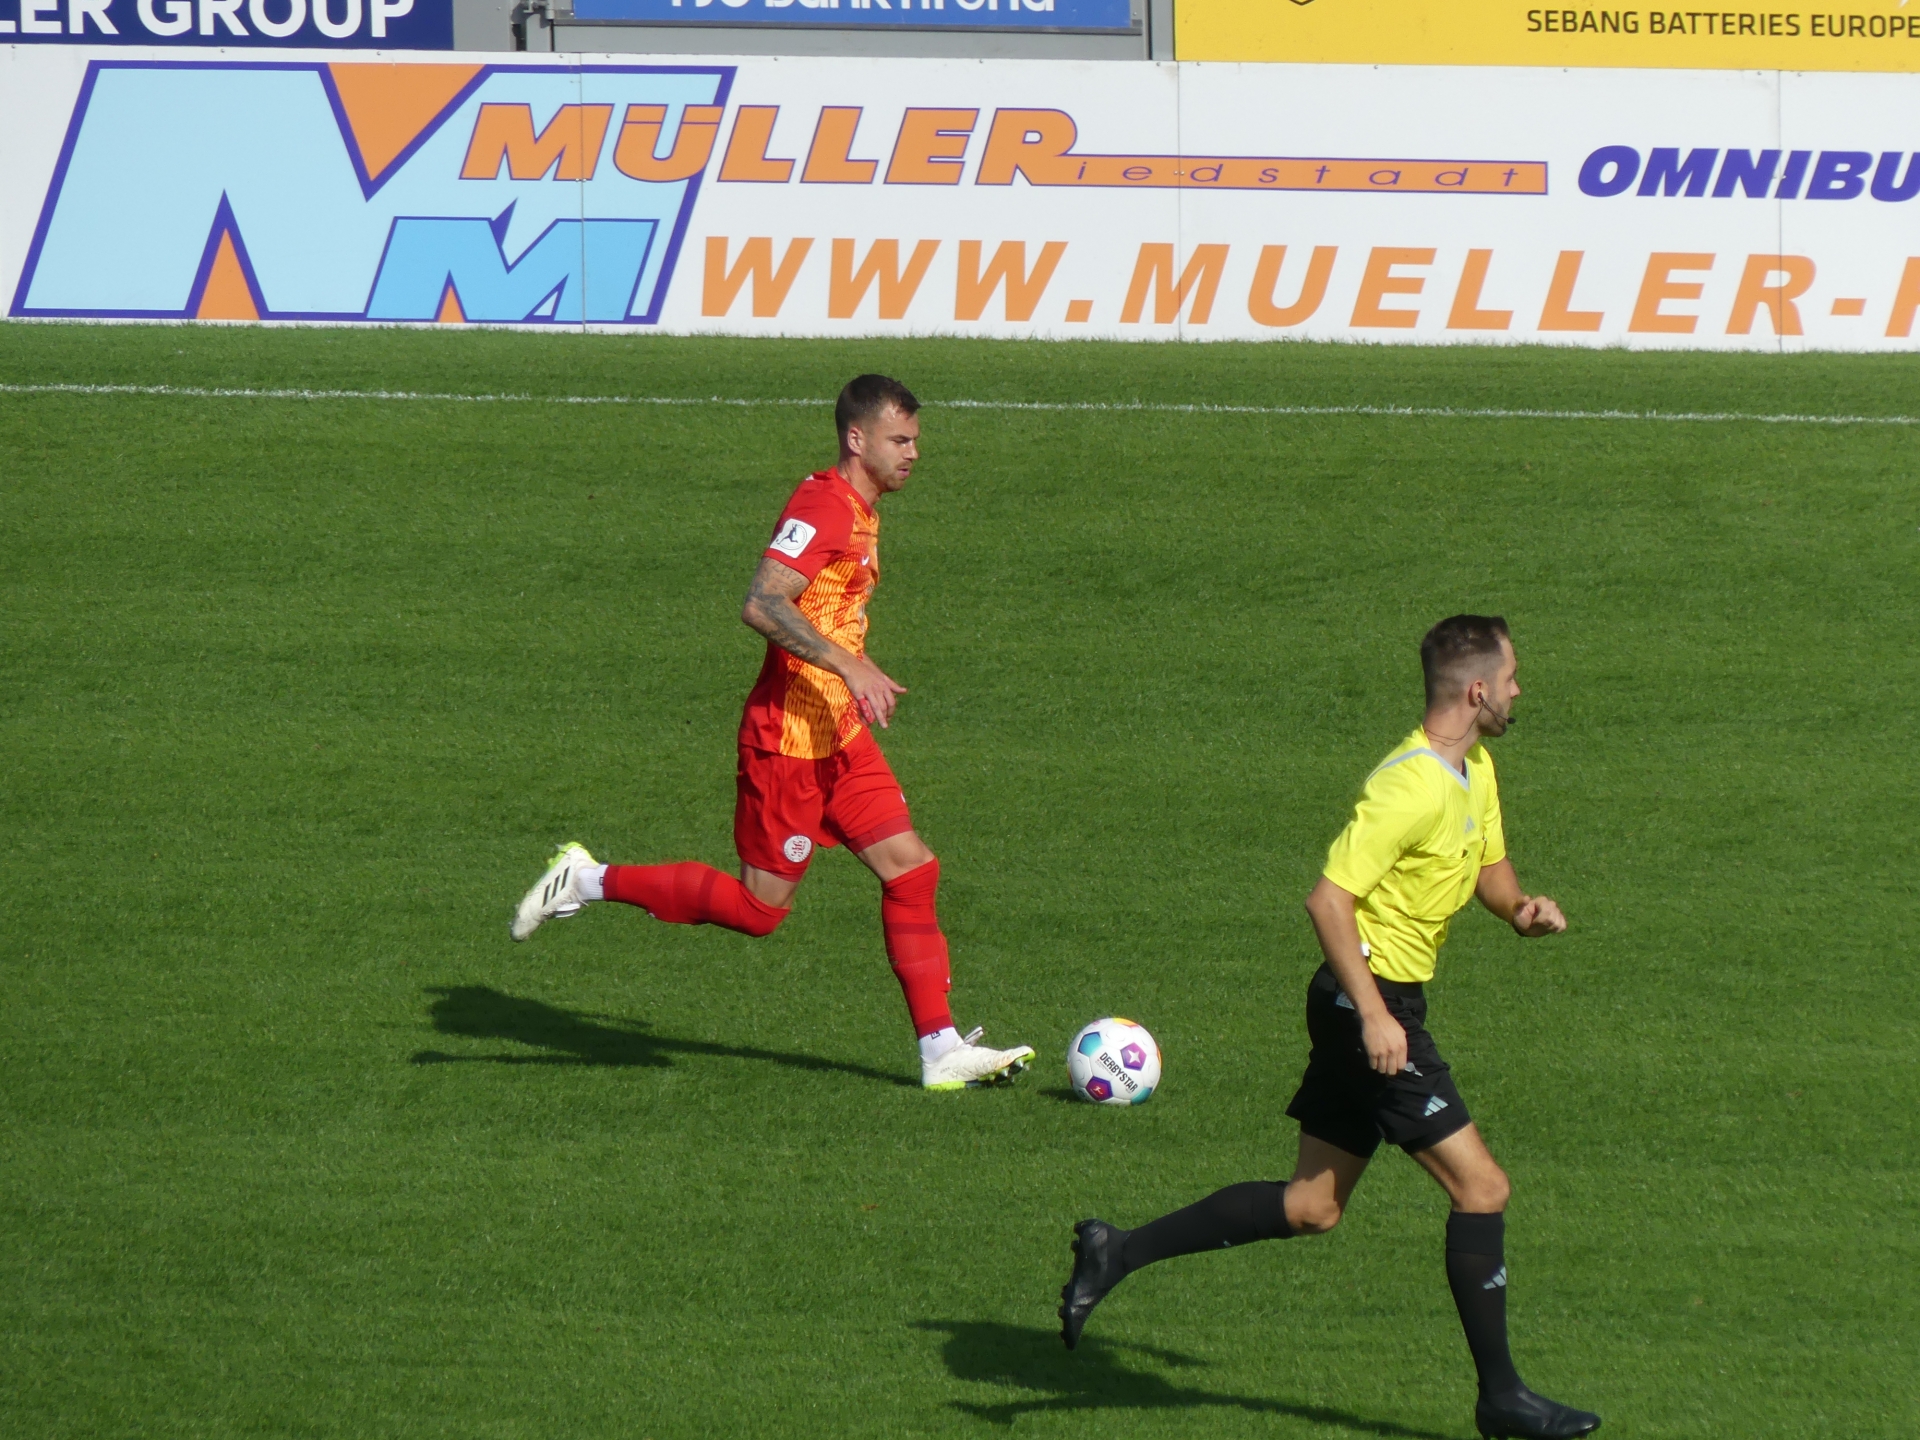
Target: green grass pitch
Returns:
[297, 693]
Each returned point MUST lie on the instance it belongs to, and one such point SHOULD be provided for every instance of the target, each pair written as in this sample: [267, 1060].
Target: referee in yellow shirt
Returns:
[1425, 838]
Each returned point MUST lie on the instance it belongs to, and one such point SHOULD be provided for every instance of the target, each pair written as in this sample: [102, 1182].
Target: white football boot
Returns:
[967, 1065]
[557, 895]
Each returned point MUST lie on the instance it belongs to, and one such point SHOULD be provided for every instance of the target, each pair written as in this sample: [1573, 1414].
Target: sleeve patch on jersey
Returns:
[794, 536]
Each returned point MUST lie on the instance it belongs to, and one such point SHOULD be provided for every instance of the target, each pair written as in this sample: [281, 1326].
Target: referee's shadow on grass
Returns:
[1016, 1357]
[572, 1037]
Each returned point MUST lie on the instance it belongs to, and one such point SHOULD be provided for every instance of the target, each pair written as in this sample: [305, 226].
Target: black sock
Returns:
[1477, 1274]
[1238, 1215]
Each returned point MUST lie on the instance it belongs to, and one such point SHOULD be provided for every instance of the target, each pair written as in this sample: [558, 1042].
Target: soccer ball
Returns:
[1113, 1062]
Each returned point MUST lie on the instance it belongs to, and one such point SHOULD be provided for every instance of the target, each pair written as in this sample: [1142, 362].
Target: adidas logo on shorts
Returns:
[1434, 1107]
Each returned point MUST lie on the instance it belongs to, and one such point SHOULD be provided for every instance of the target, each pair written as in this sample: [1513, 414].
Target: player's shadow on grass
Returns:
[1015, 1357]
[571, 1037]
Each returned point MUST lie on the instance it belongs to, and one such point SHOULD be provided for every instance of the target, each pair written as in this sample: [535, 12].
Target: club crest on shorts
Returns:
[797, 848]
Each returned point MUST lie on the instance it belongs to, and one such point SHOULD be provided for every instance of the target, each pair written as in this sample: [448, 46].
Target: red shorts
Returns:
[786, 806]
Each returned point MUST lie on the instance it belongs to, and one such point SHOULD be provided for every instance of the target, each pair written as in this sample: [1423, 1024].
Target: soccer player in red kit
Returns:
[811, 773]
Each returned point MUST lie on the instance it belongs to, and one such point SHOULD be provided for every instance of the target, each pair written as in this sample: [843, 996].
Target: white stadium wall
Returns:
[1052, 199]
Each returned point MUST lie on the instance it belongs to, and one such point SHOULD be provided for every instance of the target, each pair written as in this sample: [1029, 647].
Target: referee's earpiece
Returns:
[1503, 721]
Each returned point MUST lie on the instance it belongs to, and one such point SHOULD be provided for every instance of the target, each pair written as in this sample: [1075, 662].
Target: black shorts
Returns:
[1345, 1102]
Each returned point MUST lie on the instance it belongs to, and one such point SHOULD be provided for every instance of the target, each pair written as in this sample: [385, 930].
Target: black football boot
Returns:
[1523, 1415]
[1096, 1270]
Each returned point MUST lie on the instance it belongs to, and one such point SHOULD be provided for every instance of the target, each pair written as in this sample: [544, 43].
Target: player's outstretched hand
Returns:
[873, 691]
[1537, 915]
[1386, 1044]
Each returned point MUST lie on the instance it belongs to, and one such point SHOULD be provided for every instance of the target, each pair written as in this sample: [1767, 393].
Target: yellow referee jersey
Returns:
[1413, 852]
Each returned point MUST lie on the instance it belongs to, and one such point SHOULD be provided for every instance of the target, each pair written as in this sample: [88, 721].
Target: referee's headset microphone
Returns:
[1505, 721]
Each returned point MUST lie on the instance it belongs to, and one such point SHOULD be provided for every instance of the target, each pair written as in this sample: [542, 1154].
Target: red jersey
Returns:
[831, 536]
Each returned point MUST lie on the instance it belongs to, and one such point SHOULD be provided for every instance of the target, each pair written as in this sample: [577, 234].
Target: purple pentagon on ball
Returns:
[1133, 1057]
[1099, 1089]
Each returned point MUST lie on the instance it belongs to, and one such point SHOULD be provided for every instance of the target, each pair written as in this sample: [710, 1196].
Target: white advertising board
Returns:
[1648, 208]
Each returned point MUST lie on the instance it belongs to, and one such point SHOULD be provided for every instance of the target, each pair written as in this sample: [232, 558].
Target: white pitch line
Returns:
[1418, 412]
[198, 392]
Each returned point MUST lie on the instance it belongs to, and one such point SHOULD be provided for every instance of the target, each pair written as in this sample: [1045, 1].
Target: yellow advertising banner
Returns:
[1875, 35]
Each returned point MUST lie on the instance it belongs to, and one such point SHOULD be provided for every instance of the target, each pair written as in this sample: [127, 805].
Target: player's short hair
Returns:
[1457, 652]
[866, 397]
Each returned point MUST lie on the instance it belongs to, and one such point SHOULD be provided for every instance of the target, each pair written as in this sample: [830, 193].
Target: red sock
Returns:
[691, 894]
[916, 947]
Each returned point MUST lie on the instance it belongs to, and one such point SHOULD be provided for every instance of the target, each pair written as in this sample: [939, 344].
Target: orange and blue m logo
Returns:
[307, 191]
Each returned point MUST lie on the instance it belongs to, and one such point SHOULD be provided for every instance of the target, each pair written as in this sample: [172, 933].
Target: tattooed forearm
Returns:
[785, 626]
[770, 610]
